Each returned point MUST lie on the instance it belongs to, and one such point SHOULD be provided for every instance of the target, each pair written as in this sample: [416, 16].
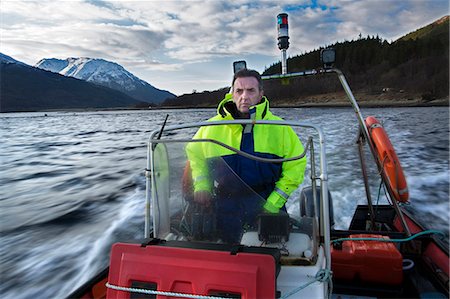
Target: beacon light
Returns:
[283, 33]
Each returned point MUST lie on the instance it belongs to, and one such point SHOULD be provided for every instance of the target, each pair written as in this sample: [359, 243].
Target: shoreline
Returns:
[366, 100]
[324, 101]
[333, 101]
[339, 99]
[371, 104]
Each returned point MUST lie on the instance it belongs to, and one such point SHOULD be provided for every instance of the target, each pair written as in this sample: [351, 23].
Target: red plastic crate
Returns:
[370, 261]
[192, 271]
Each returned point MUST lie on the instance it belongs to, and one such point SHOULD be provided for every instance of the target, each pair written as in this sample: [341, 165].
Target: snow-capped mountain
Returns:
[52, 64]
[27, 88]
[106, 73]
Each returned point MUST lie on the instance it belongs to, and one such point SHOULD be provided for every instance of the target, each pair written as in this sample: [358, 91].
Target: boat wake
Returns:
[76, 246]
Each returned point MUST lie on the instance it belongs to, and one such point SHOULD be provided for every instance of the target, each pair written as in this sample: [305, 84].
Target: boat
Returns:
[384, 253]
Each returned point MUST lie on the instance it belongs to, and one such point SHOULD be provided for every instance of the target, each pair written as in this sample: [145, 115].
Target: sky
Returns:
[186, 46]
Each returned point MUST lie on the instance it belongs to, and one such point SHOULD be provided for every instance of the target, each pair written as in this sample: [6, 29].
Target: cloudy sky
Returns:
[183, 46]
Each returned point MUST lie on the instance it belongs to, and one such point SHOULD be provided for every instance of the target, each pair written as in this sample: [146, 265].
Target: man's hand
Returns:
[203, 198]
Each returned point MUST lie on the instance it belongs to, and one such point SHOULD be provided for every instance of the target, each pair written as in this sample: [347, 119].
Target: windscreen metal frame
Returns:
[322, 177]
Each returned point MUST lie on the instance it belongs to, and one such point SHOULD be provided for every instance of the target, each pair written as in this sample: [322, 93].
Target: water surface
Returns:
[73, 183]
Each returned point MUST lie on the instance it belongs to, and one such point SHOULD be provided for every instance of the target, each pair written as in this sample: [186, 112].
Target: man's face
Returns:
[246, 93]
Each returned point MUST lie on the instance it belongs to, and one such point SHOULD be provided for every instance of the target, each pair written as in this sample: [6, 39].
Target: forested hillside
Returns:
[412, 70]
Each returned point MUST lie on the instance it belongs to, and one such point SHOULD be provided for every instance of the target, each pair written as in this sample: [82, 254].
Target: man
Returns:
[239, 188]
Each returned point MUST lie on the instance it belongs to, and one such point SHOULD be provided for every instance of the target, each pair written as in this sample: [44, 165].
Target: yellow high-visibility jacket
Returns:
[274, 182]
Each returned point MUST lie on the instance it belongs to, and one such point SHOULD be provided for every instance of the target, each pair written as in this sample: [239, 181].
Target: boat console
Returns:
[181, 223]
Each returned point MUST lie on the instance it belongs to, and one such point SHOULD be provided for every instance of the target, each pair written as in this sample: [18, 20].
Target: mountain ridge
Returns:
[106, 73]
[8, 59]
[432, 29]
[26, 88]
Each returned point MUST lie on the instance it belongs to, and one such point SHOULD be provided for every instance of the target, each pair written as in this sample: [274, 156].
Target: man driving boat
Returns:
[217, 171]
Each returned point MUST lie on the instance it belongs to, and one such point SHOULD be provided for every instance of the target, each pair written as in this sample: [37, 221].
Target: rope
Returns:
[426, 232]
[378, 199]
[160, 293]
[321, 276]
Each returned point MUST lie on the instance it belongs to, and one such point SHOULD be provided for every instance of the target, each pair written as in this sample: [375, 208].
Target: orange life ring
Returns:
[388, 160]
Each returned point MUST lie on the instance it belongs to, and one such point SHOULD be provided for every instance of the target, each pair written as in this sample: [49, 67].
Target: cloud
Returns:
[203, 30]
[174, 35]
[388, 19]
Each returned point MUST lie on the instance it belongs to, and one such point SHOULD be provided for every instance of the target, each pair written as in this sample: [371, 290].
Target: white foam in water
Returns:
[428, 180]
[131, 211]
[428, 195]
[42, 268]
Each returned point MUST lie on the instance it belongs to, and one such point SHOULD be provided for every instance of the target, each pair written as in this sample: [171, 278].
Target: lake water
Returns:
[72, 183]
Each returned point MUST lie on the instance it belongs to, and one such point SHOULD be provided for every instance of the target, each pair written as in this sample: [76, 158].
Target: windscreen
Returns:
[198, 194]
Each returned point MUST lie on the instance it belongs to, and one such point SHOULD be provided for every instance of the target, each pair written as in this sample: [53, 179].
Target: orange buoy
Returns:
[388, 160]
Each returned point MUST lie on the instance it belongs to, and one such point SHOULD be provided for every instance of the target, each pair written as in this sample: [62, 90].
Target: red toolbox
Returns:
[370, 261]
[171, 267]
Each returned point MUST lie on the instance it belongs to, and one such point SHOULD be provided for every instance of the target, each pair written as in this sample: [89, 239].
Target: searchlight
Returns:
[328, 57]
[239, 65]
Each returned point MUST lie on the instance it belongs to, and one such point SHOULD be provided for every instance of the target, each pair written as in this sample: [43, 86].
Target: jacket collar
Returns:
[227, 109]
